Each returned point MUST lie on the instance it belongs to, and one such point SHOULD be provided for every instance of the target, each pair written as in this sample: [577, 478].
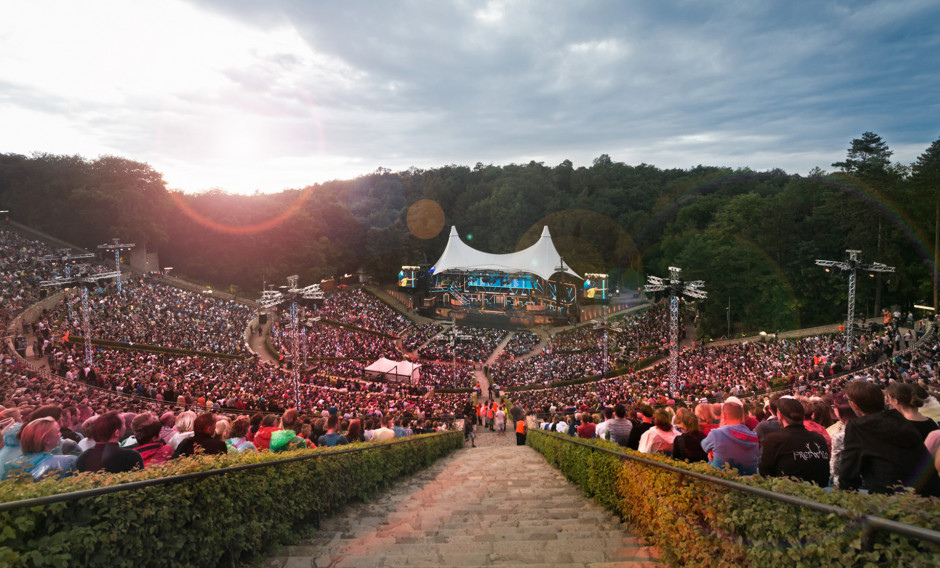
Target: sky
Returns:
[252, 96]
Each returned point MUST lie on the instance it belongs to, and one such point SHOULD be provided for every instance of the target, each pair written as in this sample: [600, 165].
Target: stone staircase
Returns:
[494, 505]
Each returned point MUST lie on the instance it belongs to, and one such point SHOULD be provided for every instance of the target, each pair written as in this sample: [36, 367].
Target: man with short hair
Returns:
[794, 451]
[619, 427]
[394, 424]
[385, 433]
[107, 455]
[882, 449]
[733, 444]
[332, 437]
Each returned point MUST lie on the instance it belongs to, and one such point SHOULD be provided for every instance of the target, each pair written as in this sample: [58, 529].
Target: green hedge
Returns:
[216, 521]
[79, 340]
[698, 523]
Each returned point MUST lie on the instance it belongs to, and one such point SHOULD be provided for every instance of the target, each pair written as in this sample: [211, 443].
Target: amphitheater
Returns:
[436, 497]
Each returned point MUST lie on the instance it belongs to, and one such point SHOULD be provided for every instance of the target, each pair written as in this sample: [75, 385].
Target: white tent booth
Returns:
[393, 371]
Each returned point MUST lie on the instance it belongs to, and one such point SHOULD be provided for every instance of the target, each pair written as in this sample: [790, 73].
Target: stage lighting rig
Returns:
[676, 288]
[852, 266]
[82, 278]
[117, 246]
[291, 293]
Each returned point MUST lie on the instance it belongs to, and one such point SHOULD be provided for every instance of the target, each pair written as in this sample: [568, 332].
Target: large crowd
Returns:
[153, 313]
[359, 309]
[579, 353]
[865, 419]
[471, 345]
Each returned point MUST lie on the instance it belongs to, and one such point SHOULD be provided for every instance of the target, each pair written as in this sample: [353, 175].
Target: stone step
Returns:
[489, 506]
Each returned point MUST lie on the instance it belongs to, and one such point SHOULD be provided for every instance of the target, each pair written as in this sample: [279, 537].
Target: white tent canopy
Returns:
[395, 371]
[541, 259]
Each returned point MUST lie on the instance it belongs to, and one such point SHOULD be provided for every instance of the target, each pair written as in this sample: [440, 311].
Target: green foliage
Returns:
[700, 523]
[79, 340]
[751, 236]
[212, 521]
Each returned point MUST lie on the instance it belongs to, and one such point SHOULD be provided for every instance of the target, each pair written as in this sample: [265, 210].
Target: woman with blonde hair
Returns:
[183, 427]
[706, 418]
[37, 439]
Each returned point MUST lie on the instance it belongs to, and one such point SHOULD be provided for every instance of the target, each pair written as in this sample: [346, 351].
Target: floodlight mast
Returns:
[82, 279]
[67, 258]
[852, 266]
[676, 288]
[117, 246]
[271, 298]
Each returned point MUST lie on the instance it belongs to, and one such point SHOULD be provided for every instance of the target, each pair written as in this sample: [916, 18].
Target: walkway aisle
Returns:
[467, 511]
[256, 342]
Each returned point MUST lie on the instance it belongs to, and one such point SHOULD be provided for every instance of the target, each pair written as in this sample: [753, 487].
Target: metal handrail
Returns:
[871, 522]
[76, 495]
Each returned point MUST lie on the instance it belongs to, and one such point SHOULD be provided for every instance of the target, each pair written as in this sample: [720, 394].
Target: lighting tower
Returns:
[117, 246]
[677, 288]
[271, 298]
[84, 279]
[852, 266]
[67, 259]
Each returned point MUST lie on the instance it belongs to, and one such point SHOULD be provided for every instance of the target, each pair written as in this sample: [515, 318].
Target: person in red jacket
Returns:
[262, 439]
[587, 427]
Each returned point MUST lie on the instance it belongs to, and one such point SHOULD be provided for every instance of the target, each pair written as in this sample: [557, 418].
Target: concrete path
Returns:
[494, 505]
[256, 341]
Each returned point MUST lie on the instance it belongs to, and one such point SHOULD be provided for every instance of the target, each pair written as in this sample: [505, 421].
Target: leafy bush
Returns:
[227, 516]
[701, 523]
[107, 343]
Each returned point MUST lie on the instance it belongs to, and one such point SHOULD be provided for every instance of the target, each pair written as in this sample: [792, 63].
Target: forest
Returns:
[753, 237]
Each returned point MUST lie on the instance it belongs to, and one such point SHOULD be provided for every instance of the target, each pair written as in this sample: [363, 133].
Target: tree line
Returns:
[751, 236]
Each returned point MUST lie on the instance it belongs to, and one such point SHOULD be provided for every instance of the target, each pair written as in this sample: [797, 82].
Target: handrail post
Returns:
[868, 536]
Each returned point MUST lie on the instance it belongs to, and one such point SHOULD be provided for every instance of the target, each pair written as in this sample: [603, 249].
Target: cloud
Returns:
[246, 95]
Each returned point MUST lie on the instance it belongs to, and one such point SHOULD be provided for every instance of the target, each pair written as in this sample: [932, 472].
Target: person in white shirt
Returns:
[600, 430]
